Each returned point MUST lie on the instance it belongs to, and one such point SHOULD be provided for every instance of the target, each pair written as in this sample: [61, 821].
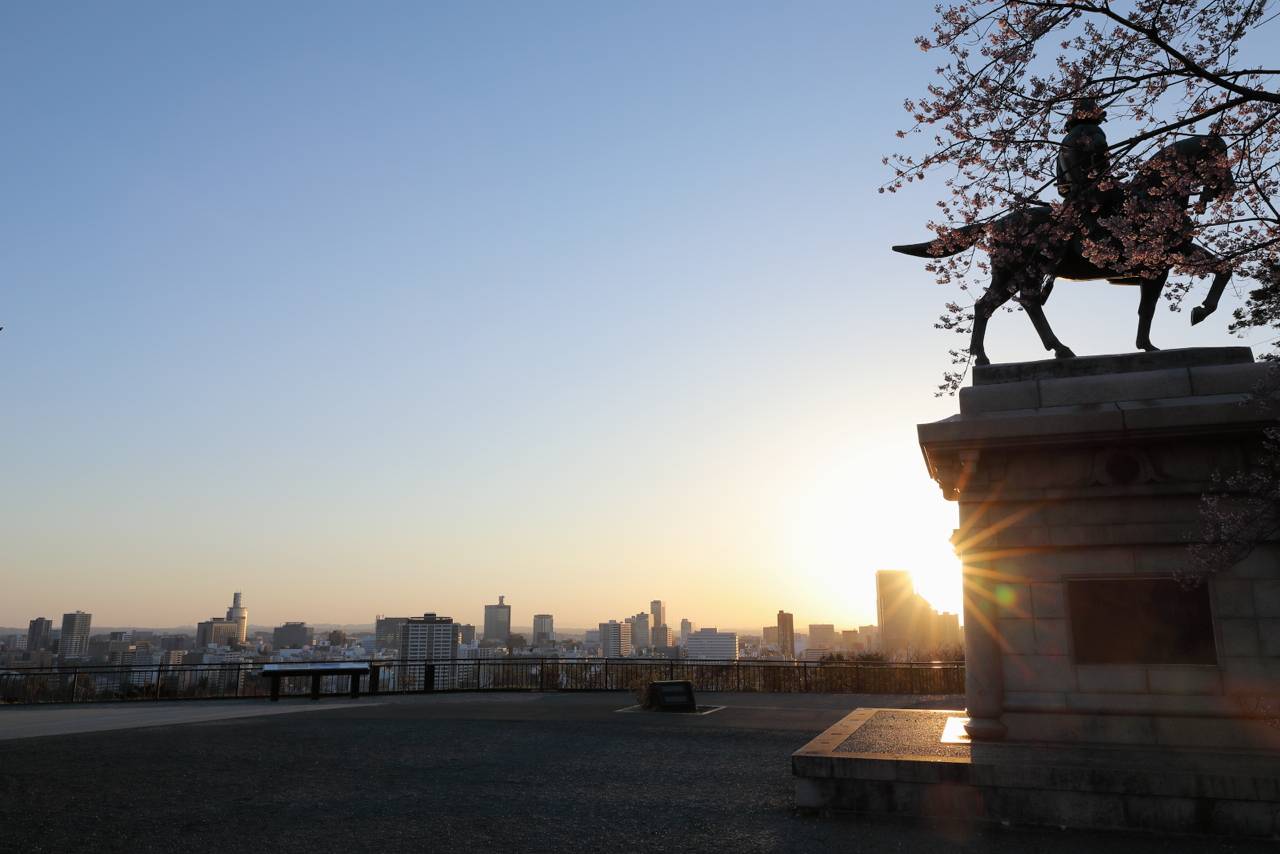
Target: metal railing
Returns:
[390, 676]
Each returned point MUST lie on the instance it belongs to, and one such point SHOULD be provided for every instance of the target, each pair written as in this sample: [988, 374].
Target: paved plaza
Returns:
[502, 772]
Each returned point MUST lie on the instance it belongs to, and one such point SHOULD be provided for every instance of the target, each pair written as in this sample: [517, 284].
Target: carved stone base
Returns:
[1078, 484]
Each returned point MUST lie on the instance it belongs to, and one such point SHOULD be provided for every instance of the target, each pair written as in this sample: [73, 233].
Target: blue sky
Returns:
[396, 307]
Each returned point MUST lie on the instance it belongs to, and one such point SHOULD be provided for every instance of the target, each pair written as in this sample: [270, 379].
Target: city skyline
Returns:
[359, 311]
[238, 622]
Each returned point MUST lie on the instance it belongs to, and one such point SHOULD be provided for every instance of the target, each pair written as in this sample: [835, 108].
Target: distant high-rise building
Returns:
[497, 621]
[291, 636]
[386, 632]
[908, 623]
[216, 631]
[661, 637]
[769, 636]
[39, 634]
[467, 633]
[544, 629]
[239, 615]
[615, 639]
[822, 636]
[430, 638]
[657, 613]
[786, 635]
[711, 644]
[640, 634]
[850, 641]
[948, 629]
[686, 629]
[870, 637]
[175, 643]
[895, 608]
[74, 640]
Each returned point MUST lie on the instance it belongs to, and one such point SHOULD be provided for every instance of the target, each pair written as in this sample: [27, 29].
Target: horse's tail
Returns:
[956, 240]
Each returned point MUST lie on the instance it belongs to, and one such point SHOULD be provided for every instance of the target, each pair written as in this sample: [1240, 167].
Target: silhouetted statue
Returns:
[1086, 236]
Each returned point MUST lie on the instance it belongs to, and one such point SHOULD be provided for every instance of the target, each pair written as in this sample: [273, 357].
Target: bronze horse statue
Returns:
[1026, 257]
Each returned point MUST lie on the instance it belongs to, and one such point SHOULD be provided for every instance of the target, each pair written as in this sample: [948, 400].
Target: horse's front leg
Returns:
[1210, 304]
[991, 299]
[1220, 278]
[1151, 289]
[1050, 341]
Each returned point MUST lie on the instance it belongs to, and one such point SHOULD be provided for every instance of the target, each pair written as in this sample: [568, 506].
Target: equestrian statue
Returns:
[1079, 239]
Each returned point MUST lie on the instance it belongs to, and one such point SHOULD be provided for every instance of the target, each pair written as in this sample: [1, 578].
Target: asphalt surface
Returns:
[504, 772]
[34, 721]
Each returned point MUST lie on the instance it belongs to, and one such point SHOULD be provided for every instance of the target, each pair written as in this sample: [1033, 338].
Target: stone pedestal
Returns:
[1078, 483]
[1102, 688]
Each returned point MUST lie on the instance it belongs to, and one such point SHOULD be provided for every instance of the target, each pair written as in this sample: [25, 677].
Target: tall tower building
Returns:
[430, 639]
[615, 639]
[786, 634]
[544, 629]
[895, 609]
[239, 615]
[686, 629]
[497, 621]
[640, 633]
[658, 611]
[39, 634]
[75, 635]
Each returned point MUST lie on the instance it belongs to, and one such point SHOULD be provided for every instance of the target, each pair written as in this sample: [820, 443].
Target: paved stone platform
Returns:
[38, 721]
[895, 762]
[556, 773]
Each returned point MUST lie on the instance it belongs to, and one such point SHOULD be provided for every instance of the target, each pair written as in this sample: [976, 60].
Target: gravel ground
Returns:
[511, 773]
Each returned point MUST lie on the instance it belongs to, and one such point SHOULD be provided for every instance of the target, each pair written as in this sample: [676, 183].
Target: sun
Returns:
[855, 519]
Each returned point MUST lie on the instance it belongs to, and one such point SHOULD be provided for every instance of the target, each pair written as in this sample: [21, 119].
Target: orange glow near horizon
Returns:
[857, 518]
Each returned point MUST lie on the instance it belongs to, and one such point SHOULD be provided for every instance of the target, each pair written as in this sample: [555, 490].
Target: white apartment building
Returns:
[615, 639]
[711, 644]
[430, 639]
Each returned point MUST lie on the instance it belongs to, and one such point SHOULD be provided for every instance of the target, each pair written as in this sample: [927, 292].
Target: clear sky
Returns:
[383, 308]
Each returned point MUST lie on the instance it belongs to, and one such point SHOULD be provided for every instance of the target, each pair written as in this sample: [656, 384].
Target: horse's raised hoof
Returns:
[1149, 347]
[1200, 312]
[1062, 351]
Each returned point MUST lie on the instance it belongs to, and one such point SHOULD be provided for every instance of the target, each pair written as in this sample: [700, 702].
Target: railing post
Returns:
[606, 674]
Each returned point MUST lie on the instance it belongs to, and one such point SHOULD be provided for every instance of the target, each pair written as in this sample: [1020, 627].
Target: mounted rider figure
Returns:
[1084, 180]
[1129, 234]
